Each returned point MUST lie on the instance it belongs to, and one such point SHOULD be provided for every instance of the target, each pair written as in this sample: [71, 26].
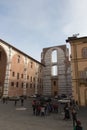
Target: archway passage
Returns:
[3, 60]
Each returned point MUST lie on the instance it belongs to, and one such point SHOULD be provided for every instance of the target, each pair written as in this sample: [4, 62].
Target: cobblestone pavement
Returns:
[21, 118]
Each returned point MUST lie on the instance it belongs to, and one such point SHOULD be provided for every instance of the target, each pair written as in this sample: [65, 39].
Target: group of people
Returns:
[41, 108]
[70, 112]
[44, 108]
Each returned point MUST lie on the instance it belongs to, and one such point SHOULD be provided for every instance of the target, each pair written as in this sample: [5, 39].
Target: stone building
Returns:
[57, 71]
[20, 74]
[79, 68]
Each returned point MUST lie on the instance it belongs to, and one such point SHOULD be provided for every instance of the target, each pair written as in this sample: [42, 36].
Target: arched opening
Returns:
[54, 56]
[54, 70]
[3, 61]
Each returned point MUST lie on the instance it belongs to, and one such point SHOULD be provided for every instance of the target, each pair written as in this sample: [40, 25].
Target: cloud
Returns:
[31, 25]
[78, 21]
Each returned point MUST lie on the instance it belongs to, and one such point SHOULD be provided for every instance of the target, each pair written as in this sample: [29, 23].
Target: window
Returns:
[83, 74]
[54, 56]
[31, 79]
[17, 84]
[54, 70]
[30, 85]
[26, 85]
[84, 52]
[28, 77]
[31, 64]
[18, 59]
[13, 74]
[86, 73]
[22, 85]
[17, 75]
[54, 83]
[12, 83]
[34, 79]
[0, 83]
[21, 75]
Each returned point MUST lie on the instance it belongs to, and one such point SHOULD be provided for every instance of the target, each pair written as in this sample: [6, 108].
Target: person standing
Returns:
[34, 106]
[74, 116]
[15, 102]
[22, 101]
[42, 111]
[66, 111]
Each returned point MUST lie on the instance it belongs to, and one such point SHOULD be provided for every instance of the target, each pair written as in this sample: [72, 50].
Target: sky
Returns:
[31, 25]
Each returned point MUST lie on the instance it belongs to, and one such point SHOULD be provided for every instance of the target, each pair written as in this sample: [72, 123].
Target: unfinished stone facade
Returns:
[20, 74]
[57, 71]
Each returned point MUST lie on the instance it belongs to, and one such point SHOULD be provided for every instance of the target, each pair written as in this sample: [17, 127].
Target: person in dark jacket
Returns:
[22, 101]
[66, 111]
[74, 116]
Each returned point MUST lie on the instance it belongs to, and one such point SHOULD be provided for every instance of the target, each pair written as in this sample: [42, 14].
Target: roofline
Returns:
[20, 51]
[74, 38]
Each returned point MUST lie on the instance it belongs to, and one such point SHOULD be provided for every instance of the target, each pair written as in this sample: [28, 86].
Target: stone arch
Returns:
[3, 62]
[53, 69]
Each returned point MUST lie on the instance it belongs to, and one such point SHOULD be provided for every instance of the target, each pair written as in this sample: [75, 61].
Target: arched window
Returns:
[83, 74]
[85, 70]
[54, 56]
[84, 52]
[54, 70]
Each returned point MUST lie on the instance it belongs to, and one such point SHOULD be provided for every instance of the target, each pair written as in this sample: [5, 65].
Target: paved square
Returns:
[21, 118]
